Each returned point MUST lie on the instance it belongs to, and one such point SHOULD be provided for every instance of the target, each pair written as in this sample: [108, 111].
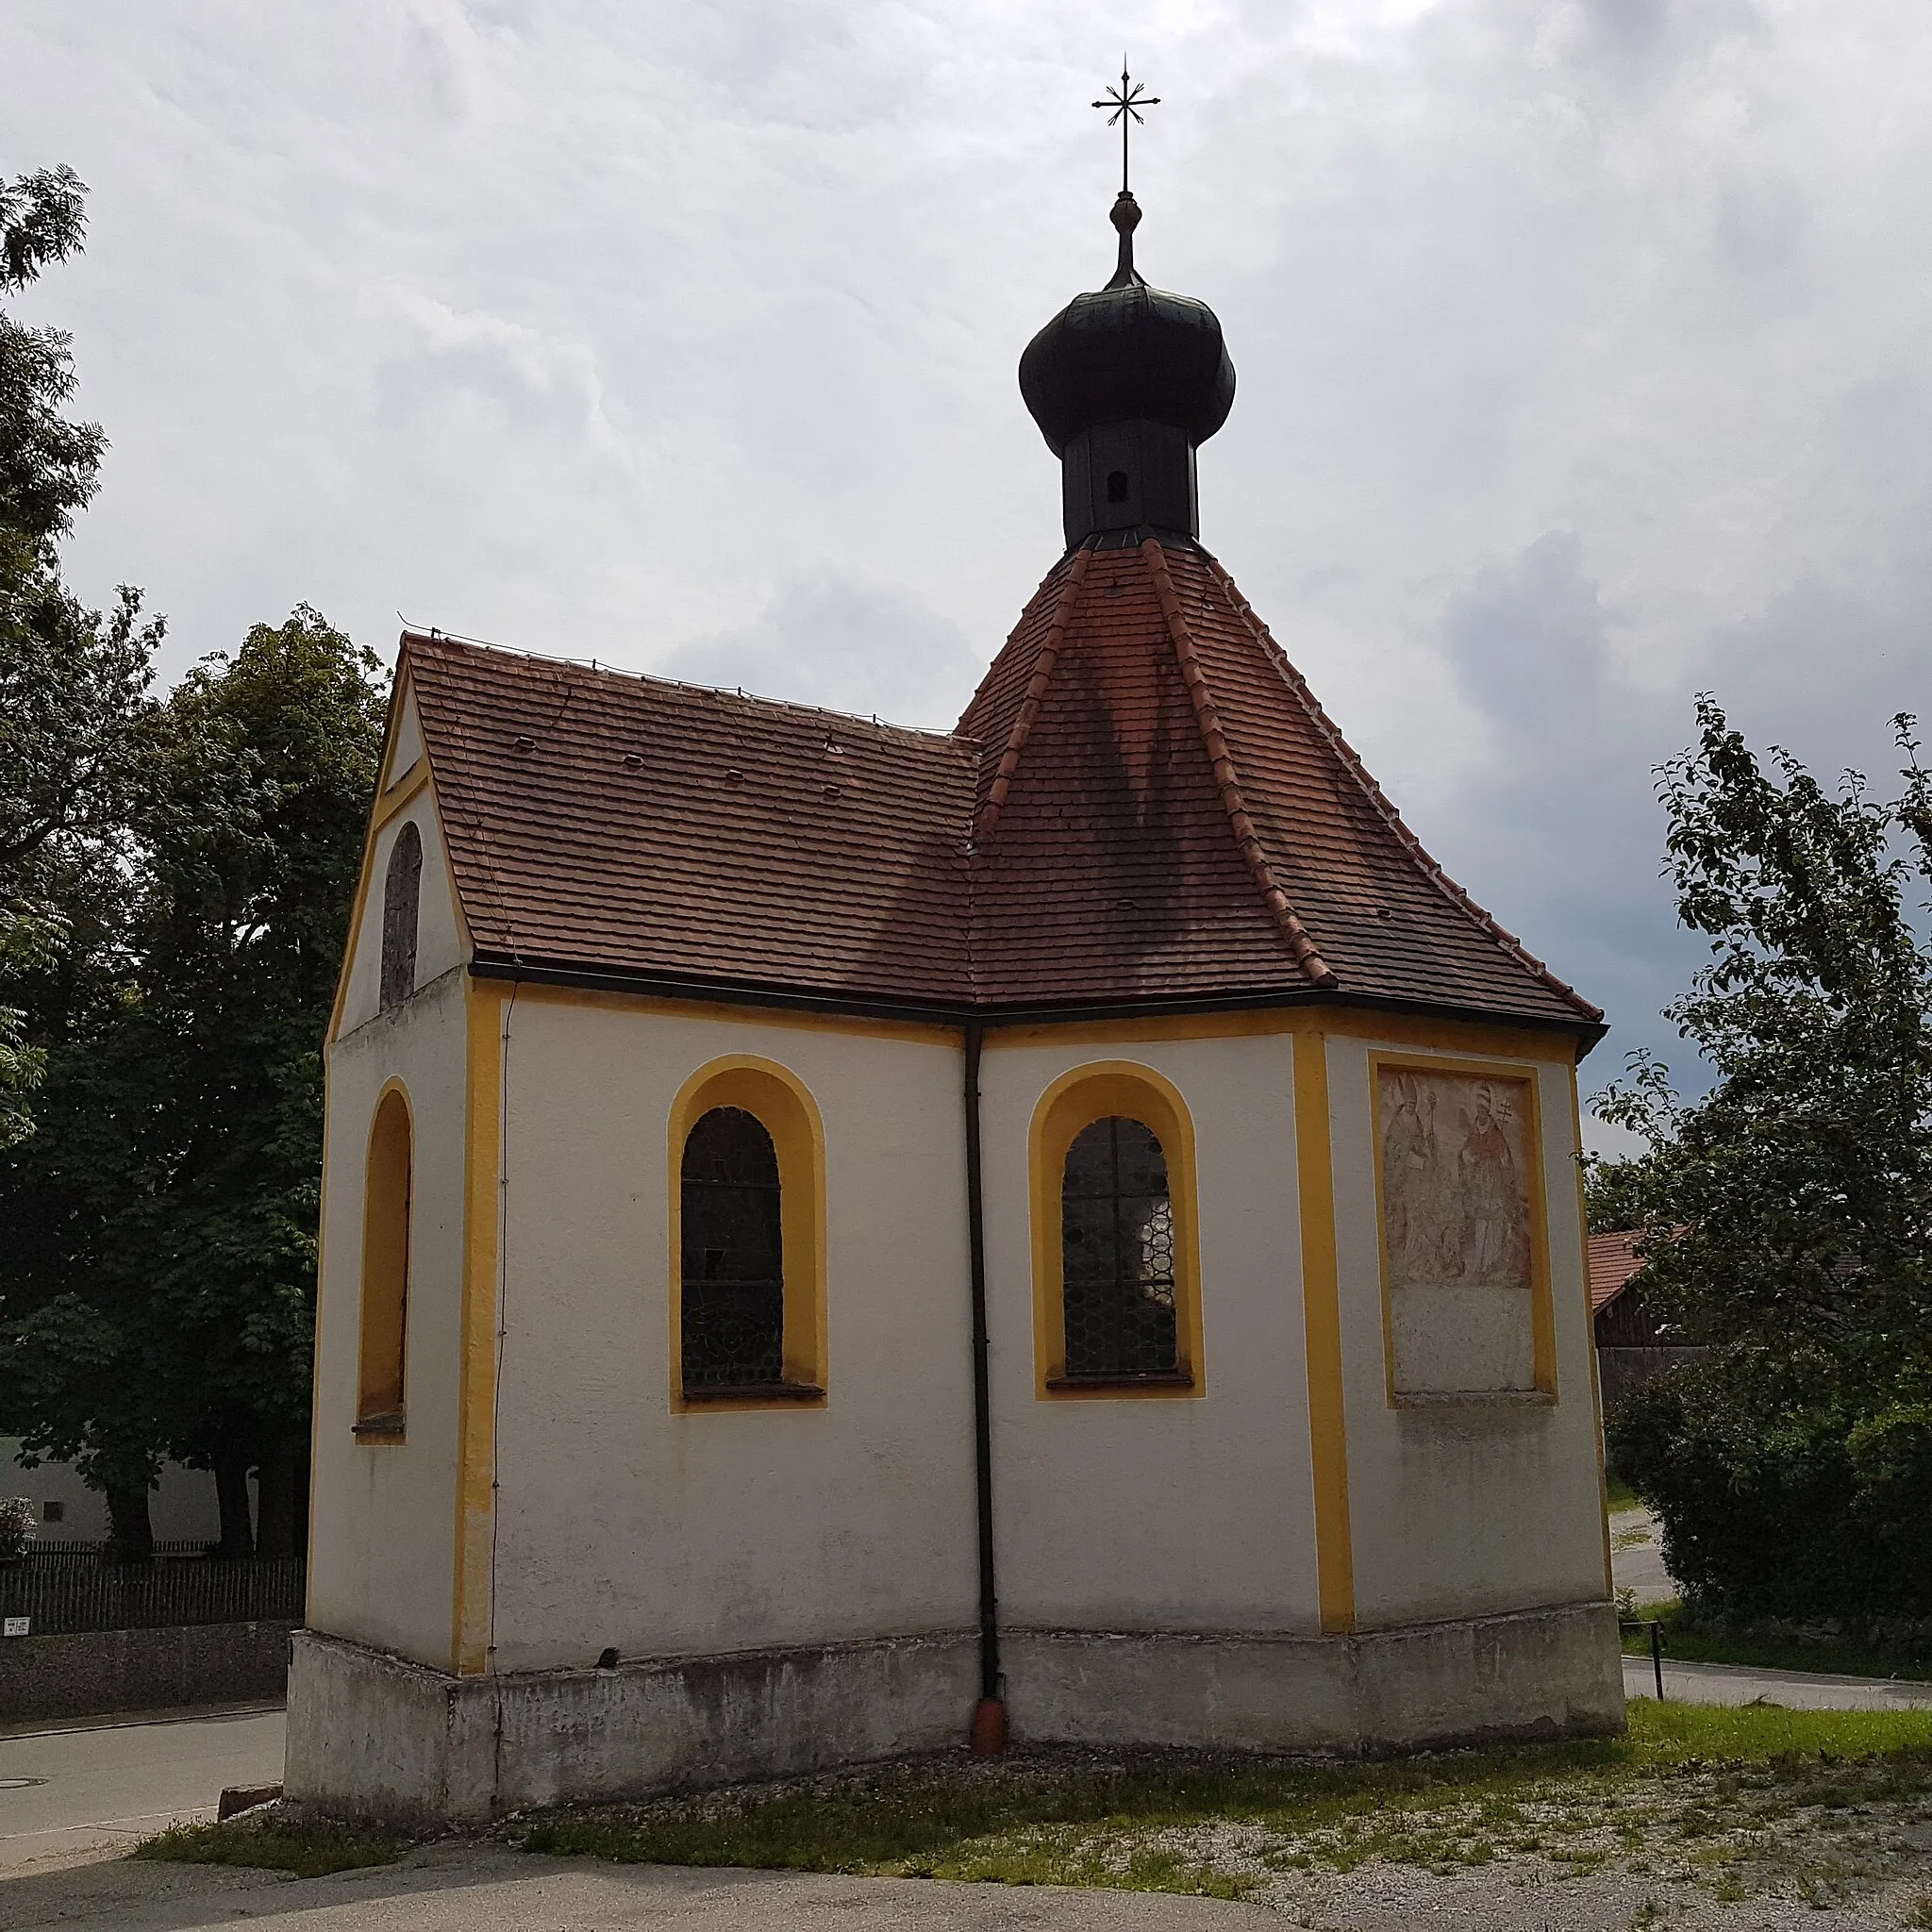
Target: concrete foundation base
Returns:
[378, 1735]
[1536, 1673]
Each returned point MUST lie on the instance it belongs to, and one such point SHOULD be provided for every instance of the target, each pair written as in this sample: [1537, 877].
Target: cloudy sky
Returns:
[1585, 353]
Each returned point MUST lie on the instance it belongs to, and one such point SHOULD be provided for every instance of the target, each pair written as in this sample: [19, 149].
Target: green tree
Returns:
[1788, 1213]
[175, 882]
[161, 1293]
[73, 683]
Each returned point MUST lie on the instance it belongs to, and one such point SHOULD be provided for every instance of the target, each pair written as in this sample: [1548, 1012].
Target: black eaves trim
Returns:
[861, 1007]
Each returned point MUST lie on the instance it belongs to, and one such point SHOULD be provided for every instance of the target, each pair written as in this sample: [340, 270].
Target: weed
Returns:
[310, 1848]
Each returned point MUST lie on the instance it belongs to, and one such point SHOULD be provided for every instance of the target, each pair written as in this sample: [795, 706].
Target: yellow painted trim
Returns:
[1596, 1393]
[315, 1354]
[354, 933]
[399, 794]
[1075, 1101]
[1542, 1319]
[1355, 1023]
[471, 1607]
[354, 938]
[1321, 1331]
[382, 1334]
[783, 1104]
[1395, 1029]
[919, 1032]
[401, 691]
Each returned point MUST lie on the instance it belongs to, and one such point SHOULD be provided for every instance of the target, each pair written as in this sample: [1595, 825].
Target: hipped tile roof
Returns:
[1142, 803]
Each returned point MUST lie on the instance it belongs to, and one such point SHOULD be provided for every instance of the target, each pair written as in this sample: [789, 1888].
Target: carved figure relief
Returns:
[1455, 1150]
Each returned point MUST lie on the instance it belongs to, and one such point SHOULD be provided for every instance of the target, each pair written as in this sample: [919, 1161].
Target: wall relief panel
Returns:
[1457, 1152]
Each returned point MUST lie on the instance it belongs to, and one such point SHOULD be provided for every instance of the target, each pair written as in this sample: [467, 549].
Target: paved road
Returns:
[1688, 1683]
[107, 1785]
[1637, 1557]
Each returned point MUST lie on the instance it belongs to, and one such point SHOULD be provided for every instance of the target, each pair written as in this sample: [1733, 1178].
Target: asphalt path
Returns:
[68, 1790]
[1637, 1557]
[1688, 1683]
[461, 1887]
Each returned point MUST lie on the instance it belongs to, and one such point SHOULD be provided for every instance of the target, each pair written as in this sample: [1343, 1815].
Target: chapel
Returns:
[841, 1240]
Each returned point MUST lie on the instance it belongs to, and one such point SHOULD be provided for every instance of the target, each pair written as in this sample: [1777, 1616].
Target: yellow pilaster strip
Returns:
[476, 1343]
[1322, 1322]
[1597, 1393]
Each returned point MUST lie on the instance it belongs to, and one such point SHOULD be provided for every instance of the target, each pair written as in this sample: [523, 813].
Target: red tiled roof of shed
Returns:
[1613, 1264]
[1142, 802]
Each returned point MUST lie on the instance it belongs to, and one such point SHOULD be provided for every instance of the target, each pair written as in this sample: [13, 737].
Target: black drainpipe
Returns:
[989, 1734]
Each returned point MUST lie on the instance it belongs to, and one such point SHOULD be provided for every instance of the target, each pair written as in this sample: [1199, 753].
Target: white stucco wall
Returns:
[1464, 1509]
[405, 741]
[383, 1519]
[1185, 1513]
[439, 935]
[622, 1523]
[1198, 1513]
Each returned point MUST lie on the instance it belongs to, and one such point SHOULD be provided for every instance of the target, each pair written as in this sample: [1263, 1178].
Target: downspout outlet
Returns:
[987, 1737]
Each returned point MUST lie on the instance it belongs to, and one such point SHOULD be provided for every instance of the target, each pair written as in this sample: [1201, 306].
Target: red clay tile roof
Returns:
[1142, 802]
[638, 826]
[1612, 1267]
[1168, 812]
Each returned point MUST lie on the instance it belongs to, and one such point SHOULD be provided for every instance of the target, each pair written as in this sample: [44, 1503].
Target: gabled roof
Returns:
[1143, 804]
[1614, 1265]
[631, 825]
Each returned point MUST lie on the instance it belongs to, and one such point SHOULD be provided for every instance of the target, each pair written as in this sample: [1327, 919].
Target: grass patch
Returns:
[310, 1848]
[1721, 1642]
[1692, 1777]
[1618, 1494]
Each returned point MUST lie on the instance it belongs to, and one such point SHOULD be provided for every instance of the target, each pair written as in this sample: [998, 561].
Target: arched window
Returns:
[402, 894]
[384, 1349]
[733, 1254]
[1116, 1243]
[1117, 1252]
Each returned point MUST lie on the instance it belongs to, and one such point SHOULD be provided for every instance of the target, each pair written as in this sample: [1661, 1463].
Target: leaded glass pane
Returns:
[1117, 1252]
[733, 1254]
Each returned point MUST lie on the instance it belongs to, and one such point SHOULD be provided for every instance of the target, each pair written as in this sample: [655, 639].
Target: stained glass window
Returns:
[1117, 1252]
[733, 1263]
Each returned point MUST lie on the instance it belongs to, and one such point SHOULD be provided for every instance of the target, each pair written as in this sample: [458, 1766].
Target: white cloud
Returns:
[1585, 350]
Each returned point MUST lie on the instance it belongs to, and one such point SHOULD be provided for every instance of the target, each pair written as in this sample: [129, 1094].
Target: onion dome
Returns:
[1124, 384]
[1127, 352]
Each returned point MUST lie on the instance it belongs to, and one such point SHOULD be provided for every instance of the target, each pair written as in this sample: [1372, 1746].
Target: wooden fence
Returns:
[69, 1595]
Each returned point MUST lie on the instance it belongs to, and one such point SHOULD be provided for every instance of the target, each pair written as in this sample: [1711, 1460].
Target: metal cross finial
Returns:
[1126, 101]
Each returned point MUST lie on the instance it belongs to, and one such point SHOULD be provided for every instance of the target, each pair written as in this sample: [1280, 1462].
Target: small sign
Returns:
[16, 1626]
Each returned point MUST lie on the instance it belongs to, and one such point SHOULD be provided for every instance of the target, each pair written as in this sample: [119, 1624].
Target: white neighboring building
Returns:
[834, 1233]
[182, 1507]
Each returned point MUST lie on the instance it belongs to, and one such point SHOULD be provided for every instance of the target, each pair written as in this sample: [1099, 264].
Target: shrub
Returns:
[1781, 1513]
[20, 1522]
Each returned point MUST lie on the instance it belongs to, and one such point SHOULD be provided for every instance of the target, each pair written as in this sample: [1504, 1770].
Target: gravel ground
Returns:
[1746, 1848]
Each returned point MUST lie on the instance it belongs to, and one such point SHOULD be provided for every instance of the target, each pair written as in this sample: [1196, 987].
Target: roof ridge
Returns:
[597, 668]
[1430, 868]
[1300, 944]
[987, 819]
